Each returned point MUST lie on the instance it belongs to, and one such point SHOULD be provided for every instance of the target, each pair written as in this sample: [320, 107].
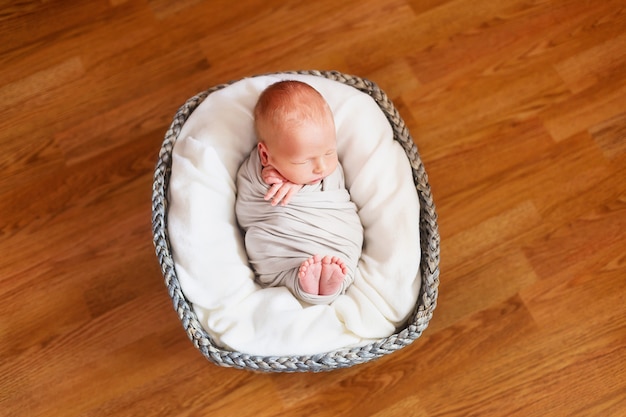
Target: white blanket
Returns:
[208, 249]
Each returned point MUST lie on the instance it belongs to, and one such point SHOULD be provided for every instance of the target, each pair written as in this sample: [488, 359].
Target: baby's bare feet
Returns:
[322, 276]
[333, 273]
[309, 274]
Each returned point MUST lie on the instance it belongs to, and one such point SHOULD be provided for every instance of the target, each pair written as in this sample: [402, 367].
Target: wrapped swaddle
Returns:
[320, 219]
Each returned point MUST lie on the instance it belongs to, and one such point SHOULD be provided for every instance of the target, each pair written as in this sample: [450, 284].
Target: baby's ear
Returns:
[263, 153]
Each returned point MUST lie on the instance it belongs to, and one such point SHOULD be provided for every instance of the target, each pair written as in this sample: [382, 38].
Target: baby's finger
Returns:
[280, 195]
[289, 194]
[272, 191]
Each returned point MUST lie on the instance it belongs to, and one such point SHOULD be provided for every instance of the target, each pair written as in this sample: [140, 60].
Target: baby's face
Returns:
[305, 154]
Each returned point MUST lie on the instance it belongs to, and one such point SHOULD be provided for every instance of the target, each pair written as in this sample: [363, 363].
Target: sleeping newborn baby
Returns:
[301, 229]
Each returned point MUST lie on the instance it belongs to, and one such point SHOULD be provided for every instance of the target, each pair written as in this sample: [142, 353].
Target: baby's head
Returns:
[296, 132]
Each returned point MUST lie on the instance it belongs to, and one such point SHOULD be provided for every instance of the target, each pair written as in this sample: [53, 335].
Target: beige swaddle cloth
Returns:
[320, 219]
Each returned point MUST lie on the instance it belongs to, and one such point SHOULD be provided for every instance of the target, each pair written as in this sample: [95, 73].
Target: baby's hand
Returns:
[282, 192]
[281, 189]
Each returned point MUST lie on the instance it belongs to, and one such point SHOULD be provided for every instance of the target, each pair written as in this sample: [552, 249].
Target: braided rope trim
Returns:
[341, 358]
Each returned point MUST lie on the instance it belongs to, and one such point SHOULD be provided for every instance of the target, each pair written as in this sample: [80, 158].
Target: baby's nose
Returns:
[320, 166]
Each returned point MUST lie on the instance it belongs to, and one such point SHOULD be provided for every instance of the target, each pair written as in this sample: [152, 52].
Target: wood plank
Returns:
[586, 357]
[590, 288]
[580, 237]
[588, 108]
[512, 145]
[475, 286]
[329, 30]
[524, 35]
[26, 88]
[610, 134]
[540, 181]
[491, 233]
[97, 40]
[585, 69]
[32, 22]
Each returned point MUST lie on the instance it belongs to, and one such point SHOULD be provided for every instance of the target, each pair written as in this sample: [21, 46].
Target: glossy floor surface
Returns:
[518, 108]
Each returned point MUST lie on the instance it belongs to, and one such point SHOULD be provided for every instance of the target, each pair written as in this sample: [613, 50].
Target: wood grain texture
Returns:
[517, 108]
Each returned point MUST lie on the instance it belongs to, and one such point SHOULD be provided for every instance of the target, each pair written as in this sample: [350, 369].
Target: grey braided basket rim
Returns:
[341, 358]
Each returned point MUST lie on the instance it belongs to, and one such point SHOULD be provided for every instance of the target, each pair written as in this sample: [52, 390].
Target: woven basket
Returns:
[324, 361]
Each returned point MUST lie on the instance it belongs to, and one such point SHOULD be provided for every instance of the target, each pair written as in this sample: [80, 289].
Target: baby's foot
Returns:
[333, 273]
[309, 274]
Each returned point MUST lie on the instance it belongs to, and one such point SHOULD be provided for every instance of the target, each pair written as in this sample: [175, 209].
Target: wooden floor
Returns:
[518, 108]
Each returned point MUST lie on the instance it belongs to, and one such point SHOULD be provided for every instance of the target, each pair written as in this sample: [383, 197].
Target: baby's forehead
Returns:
[303, 119]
